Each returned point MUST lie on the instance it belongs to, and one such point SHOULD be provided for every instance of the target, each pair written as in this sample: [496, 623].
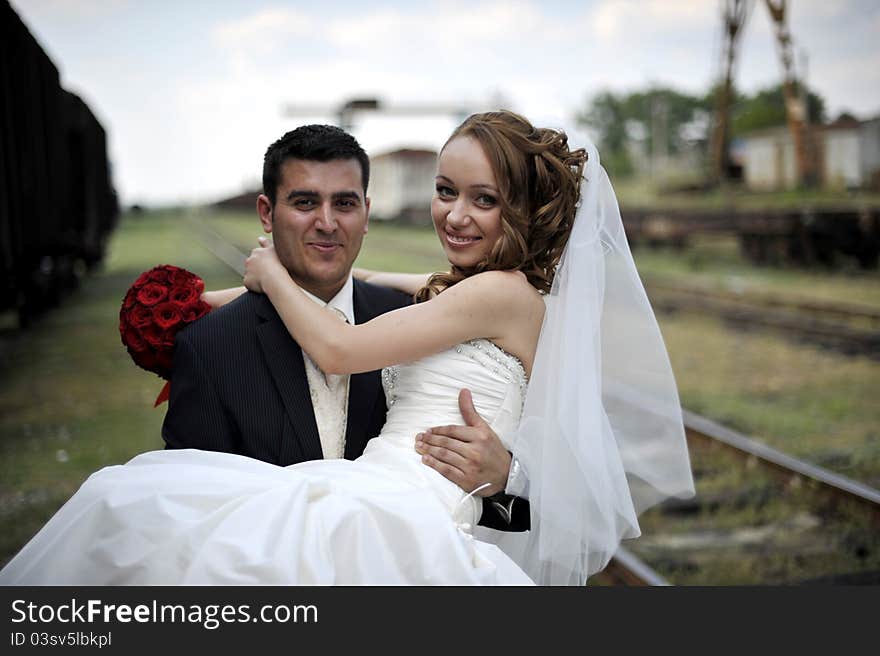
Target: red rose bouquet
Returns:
[160, 303]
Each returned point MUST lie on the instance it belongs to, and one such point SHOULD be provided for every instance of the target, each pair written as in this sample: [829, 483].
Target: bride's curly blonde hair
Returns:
[539, 182]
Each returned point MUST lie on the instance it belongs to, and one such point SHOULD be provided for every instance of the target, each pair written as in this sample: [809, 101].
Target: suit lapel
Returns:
[364, 390]
[285, 361]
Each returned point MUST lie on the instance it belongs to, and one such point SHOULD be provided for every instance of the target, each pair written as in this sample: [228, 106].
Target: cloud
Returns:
[263, 27]
[822, 9]
[449, 51]
[840, 76]
[453, 31]
[446, 26]
[622, 20]
[80, 10]
[540, 57]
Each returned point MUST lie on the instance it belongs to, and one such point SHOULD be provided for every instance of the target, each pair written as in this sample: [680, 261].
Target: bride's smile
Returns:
[461, 241]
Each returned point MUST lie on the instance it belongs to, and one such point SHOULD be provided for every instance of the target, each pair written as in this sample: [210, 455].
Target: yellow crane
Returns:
[734, 16]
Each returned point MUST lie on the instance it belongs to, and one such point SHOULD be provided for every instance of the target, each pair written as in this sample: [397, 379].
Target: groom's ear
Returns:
[367, 218]
[264, 209]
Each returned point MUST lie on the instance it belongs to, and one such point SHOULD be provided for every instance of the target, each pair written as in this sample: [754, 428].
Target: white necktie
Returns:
[330, 402]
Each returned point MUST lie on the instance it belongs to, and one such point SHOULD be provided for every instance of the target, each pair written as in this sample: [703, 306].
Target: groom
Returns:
[241, 384]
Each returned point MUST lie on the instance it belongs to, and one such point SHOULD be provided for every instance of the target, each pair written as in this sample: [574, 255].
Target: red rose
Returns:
[142, 280]
[152, 334]
[195, 310]
[140, 316]
[134, 341]
[180, 277]
[183, 295]
[159, 274]
[168, 342]
[129, 300]
[166, 315]
[152, 293]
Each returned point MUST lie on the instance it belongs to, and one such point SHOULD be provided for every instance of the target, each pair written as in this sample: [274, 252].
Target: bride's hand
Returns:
[262, 265]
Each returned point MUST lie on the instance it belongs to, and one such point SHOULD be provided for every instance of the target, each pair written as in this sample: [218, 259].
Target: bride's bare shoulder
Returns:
[516, 309]
[510, 288]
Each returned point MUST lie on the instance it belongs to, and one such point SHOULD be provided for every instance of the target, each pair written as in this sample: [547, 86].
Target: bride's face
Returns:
[465, 208]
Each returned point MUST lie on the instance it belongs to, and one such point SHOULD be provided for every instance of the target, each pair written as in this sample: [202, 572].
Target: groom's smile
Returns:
[326, 247]
[318, 221]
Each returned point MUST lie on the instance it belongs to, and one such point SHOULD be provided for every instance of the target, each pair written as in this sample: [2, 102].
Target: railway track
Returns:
[704, 431]
[849, 328]
[216, 244]
[827, 309]
[629, 570]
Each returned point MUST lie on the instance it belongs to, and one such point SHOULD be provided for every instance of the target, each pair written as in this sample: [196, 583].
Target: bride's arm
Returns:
[485, 305]
[408, 283]
[222, 296]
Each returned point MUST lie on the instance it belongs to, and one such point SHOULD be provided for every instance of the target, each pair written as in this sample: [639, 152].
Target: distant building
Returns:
[848, 149]
[767, 158]
[842, 161]
[246, 201]
[869, 152]
[401, 187]
[402, 184]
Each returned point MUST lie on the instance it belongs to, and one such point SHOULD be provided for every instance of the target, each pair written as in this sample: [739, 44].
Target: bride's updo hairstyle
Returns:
[538, 178]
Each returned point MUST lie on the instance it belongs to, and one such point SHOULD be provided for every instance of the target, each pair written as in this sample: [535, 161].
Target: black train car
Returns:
[57, 203]
[94, 208]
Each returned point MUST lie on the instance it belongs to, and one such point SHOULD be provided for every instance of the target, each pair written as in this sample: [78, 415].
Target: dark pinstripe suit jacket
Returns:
[239, 385]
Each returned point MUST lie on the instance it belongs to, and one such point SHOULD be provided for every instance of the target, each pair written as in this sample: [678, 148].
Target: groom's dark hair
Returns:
[318, 143]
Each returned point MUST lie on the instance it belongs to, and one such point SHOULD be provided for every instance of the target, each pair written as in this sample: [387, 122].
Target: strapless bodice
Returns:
[424, 393]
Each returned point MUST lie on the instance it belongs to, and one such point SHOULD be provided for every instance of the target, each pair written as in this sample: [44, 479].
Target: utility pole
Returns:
[795, 97]
[659, 135]
[734, 14]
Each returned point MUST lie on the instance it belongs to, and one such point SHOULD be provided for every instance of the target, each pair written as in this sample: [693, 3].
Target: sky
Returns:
[192, 92]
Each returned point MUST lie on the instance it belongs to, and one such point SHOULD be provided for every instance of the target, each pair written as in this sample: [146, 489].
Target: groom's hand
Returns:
[469, 455]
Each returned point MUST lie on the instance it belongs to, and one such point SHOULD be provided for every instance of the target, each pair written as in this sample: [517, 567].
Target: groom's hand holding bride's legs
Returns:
[469, 455]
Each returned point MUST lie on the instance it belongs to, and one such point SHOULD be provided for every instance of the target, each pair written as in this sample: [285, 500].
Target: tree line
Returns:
[665, 121]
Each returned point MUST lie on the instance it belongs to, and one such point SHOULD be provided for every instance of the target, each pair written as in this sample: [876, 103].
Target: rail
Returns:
[699, 428]
[625, 568]
[802, 323]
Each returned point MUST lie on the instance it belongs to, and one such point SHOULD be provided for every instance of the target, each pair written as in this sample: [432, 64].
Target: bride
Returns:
[542, 316]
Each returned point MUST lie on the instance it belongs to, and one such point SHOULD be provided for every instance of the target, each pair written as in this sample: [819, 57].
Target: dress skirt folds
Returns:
[198, 517]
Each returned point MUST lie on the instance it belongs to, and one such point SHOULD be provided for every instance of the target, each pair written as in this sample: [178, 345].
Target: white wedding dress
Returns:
[199, 517]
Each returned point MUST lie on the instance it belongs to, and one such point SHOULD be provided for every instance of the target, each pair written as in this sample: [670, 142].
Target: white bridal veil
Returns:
[601, 437]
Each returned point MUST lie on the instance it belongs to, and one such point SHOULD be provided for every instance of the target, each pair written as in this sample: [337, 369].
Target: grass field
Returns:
[71, 400]
[714, 262]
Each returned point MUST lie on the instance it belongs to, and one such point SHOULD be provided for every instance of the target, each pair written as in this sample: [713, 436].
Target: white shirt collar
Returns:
[343, 301]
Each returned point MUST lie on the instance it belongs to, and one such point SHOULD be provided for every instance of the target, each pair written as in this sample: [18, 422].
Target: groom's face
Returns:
[318, 221]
